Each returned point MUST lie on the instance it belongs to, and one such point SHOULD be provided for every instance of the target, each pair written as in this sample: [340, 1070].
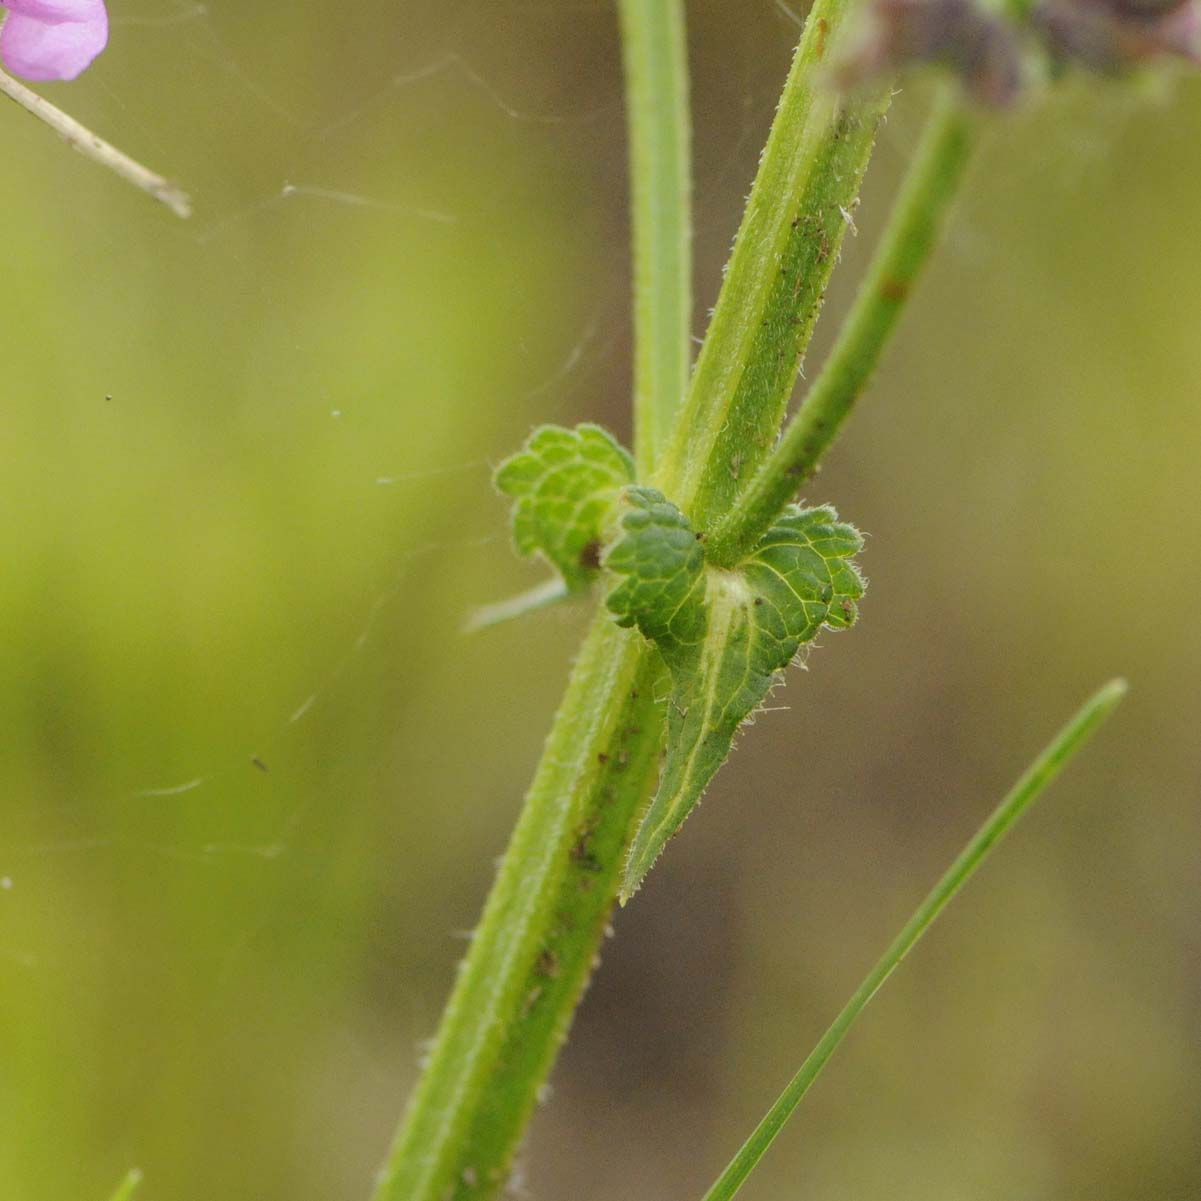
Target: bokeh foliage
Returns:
[228, 985]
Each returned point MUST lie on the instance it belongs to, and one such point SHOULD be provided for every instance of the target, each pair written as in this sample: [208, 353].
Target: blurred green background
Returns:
[254, 779]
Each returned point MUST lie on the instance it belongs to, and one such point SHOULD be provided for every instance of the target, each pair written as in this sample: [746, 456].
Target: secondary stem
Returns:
[656, 67]
[533, 950]
[1032, 783]
[911, 235]
[798, 211]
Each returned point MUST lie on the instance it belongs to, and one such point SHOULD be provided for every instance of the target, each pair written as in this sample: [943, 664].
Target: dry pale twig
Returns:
[93, 146]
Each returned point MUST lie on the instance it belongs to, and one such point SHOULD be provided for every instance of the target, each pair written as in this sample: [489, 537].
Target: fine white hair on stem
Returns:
[93, 146]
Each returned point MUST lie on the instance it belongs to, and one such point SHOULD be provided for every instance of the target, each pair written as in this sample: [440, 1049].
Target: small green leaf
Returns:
[663, 592]
[725, 635]
[565, 485]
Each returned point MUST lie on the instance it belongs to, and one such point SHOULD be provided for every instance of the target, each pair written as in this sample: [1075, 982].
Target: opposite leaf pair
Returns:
[724, 634]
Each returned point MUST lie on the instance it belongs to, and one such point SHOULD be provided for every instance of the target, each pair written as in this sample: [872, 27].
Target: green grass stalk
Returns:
[1023, 794]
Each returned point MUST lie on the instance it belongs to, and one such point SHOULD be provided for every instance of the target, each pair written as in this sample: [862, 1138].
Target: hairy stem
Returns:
[799, 209]
[544, 919]
[911, 235]
[532, 952]
[1027, 790]
[656, 66]
[93, 146]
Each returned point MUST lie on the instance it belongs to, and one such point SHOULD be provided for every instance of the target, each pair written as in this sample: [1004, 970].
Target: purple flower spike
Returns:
[52, 39]
[1109, 35]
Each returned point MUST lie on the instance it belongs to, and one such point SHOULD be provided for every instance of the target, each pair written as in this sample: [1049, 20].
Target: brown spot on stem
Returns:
[823, 33]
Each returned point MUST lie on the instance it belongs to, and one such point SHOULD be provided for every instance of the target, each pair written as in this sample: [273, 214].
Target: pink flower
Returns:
[52, 39]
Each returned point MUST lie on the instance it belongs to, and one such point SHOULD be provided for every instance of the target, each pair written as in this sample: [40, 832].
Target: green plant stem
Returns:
[912, 234]
[544, 919]
[1032, 783]
[656, 69]
[800, 207]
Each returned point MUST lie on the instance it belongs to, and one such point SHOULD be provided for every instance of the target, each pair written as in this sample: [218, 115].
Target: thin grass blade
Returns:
[541, 596]
[128, 1186]
[1023, 794]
